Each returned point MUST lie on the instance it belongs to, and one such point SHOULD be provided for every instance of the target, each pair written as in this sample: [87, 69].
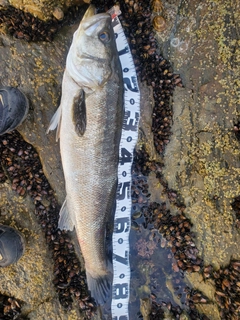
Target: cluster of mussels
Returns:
[177, 231]
[10, 308]
[23, 25]
[22, 166]
[228, 290]
[158, 312]
[194, 297]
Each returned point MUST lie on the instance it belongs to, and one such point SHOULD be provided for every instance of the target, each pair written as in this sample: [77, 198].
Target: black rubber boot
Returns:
[13, 108]
[11, 245]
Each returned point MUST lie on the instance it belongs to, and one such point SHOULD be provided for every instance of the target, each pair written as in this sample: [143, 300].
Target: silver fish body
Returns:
[89, 126]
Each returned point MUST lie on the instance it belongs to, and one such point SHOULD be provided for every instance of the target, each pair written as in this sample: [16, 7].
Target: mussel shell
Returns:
[13, 108]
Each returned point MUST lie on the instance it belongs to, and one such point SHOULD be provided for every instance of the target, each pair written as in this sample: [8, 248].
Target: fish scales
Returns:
[89, 123]
[90, 170]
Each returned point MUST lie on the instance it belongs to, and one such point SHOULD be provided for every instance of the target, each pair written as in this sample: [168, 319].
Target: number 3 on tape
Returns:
[122, 220]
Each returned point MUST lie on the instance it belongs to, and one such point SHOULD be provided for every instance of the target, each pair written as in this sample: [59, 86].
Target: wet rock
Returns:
[46, 9]
[202, 158]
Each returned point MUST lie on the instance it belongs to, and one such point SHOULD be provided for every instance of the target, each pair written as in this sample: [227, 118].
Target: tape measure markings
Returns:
[122, 220]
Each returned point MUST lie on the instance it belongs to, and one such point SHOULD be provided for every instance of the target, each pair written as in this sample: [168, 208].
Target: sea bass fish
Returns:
[89, 121]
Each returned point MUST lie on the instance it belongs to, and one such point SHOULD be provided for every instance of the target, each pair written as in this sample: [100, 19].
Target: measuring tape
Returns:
[122, 220]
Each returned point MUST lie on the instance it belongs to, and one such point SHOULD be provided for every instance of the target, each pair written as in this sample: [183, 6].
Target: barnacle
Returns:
[175, 42]
[157, 6]
[159, 23]
[183, 46]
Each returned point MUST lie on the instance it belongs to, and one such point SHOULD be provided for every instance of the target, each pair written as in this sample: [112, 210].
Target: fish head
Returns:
[90, 61]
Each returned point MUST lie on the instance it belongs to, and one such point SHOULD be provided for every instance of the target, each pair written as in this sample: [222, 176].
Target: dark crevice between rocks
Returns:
[24, 171]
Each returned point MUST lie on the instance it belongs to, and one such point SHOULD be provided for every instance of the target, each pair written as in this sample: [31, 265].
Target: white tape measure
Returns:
[122, 220]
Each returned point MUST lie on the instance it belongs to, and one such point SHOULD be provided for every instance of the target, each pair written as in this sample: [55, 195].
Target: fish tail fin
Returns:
[100, 287]
[56, 122]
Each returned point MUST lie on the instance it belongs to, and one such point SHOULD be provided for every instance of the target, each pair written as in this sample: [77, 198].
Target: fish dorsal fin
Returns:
[56, 122]
[79, 115]
[65, 222]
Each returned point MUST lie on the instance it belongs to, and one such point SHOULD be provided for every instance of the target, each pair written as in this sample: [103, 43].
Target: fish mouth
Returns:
[86, 56]
[91, 11]
[92, 20]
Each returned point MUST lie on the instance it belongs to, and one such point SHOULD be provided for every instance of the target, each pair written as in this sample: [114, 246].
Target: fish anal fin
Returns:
[65, 222]
[79, 116]
[56, 122]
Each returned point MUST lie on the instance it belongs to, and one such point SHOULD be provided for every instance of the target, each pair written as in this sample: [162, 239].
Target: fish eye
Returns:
[104, 36]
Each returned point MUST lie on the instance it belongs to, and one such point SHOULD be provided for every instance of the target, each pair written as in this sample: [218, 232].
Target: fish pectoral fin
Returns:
[65, 222]
[79, 116]
[56, 122]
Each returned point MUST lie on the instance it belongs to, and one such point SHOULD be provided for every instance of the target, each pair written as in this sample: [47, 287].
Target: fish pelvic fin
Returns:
[65, 222]
[56, 122]
[79, 113]
[100, 287]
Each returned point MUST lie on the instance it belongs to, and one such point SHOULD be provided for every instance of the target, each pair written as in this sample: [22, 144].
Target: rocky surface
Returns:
[44, 10]
[204, 152]
[201, 161]
[202, 158]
